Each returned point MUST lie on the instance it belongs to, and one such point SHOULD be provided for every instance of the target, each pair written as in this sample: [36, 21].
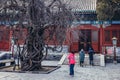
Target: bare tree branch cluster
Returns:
[47, 21]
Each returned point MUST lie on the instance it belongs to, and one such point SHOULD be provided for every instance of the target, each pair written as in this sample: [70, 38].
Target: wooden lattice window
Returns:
[107, 38]
[114, 33]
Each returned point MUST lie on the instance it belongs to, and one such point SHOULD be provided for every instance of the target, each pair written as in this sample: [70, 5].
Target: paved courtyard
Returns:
[109, 72]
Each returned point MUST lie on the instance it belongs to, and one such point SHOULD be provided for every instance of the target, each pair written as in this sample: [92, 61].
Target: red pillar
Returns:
[101, 38]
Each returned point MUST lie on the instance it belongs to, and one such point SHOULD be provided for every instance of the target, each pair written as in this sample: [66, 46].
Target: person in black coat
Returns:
[91, 53]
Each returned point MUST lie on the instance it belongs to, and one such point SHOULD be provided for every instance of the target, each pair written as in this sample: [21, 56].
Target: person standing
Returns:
[71, 58]
[82, 56]
[91, 53]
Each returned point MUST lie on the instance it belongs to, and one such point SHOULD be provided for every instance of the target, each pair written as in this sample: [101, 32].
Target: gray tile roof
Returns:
[81, 5]
[75, 5]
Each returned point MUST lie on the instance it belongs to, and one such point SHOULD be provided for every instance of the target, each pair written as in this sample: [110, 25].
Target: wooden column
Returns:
[101, 38]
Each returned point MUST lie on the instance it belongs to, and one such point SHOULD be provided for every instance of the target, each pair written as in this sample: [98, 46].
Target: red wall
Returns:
[6, 35]
[4, 38]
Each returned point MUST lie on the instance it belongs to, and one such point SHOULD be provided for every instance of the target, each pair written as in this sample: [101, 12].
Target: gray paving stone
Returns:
[110, 72]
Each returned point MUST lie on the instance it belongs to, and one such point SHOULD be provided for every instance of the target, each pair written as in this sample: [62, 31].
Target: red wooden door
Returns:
[85, 39]
[94, 40]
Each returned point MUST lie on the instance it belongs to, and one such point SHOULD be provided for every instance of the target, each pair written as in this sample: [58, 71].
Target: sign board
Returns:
[110, 50]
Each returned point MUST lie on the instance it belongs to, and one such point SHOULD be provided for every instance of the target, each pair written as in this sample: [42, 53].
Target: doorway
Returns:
[85, 39]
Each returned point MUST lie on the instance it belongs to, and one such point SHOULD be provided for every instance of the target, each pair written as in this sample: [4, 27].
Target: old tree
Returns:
[108, 10]
[46, 20]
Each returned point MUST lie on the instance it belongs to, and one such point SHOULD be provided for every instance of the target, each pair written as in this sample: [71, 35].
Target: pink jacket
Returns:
[71, 58]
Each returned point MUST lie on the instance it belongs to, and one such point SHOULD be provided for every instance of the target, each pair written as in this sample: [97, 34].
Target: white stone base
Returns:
[102, 60]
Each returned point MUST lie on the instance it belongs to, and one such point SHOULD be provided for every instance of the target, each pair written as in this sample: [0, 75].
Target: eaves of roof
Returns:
[81, 5]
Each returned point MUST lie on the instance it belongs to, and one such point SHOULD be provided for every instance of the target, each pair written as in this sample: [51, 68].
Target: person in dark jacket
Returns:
[91, 53]
[82, 56]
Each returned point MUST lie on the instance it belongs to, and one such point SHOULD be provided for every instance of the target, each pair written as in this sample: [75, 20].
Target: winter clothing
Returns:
[71, 58]
[91, 53]
[81, 56]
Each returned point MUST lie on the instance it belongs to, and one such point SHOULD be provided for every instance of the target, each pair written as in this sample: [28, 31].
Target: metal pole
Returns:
[115, 61]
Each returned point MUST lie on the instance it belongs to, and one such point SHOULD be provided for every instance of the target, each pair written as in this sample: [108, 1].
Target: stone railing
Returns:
[99, 60]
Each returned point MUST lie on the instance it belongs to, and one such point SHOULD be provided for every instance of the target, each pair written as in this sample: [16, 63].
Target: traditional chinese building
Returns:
[88, 31]
[85, 31]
